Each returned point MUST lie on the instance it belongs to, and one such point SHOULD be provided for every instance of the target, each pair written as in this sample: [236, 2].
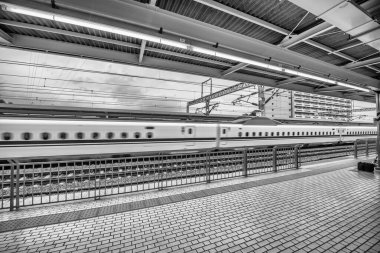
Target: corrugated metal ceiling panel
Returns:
[311, 51]
[221, 19]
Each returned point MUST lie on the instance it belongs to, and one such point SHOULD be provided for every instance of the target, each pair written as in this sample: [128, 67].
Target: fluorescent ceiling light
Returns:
[26, 11]
[156, 39]
[352, 86]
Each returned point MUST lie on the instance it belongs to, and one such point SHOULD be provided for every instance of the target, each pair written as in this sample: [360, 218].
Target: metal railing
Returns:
[33, 183]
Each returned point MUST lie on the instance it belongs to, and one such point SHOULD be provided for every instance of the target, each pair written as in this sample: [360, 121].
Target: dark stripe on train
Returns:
[158, 140]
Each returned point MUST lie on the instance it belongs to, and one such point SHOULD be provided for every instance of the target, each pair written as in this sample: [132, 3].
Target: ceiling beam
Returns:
[331, 88]
[360, 64]
[234, 68]
[142, 50]
[178, 27]
[295, 39]
[290, 80]
[242, 15]
[5, 38]
[337, 53]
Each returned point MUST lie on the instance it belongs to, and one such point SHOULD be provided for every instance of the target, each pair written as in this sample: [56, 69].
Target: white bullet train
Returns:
[33, 138]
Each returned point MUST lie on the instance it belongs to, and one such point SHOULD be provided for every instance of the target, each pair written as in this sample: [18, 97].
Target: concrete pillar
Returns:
[377, 167]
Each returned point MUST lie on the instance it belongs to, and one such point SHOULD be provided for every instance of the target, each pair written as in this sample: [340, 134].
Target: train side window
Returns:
[224, 131]
[7, 136]
[149, 135]
[303, 133]
[80, 135]
[293, 133]
[137, 135]
[110, 135]
[124, 135]
[253, 133]
[283, 133]
[62, 135]
[27, 136]
[271, 134]
[266, 133]
[278, 133]
[289, 134]
[298, 133]
[307, 133]
[246, 134]
[260, 134]
[240, 134]
[311, 133]
[95, 135]
[190, 131]
[45, 136]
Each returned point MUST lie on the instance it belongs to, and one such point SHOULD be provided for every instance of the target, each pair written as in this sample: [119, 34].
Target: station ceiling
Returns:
[328, 47]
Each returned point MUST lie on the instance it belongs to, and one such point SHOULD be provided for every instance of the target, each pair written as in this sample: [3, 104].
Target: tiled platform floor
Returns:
[324, 208]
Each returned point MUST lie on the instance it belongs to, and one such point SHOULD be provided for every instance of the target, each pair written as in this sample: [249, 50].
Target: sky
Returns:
[45, 79]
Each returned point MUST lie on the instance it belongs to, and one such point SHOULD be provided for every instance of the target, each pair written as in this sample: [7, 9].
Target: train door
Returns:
[190, 134]
[224, 133]
[340, 131]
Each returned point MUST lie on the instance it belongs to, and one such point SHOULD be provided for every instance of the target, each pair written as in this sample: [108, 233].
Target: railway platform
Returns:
[322, 207]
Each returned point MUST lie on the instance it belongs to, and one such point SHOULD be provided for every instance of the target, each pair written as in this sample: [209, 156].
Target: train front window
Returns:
[7, 136]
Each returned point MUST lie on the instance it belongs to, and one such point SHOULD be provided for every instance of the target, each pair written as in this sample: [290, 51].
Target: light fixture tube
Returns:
[156, 39]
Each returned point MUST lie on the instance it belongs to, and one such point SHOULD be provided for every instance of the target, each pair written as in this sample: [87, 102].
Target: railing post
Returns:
[96, 177]
[17, 186]
[161, 175]
[208, 167]
[296, 149]
[366, 148]
[245, 165]
[275, 159]
[356, 149]
[11, 196]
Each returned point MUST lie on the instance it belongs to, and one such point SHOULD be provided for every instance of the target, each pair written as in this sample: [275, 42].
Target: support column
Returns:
[377, 167]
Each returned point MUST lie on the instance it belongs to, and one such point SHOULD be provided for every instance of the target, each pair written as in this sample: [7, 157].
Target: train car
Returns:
[23, 137]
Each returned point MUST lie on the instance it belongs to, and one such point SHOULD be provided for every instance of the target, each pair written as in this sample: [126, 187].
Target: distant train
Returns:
[24, 137]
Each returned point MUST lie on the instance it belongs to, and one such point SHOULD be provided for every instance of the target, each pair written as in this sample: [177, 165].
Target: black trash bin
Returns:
[364, 166]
